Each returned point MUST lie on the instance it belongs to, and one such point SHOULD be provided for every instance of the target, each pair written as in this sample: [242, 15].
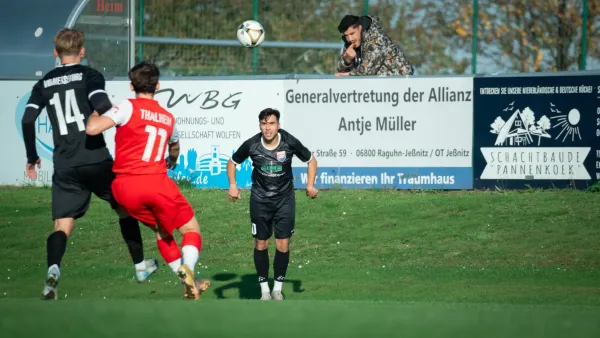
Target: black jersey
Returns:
[65, 92]
[272, 169]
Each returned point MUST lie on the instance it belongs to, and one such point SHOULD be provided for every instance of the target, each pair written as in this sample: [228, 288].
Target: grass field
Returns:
[410, 264]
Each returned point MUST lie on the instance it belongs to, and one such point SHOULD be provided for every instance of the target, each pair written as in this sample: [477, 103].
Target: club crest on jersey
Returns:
[281, 156]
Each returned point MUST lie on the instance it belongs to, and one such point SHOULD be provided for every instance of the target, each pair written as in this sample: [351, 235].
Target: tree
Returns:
[436, 35]
[517, 35]
[544, 123]
[528, 118]
[497, 125]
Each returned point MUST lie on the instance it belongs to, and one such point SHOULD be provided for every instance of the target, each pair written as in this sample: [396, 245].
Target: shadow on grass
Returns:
[248, 287]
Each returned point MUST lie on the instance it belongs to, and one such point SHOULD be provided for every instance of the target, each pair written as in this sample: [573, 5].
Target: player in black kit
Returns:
[272, 198]
[70, 93]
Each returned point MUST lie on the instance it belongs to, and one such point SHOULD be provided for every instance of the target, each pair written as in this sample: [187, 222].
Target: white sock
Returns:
[190, 256]
[175, 265]
[141, 266]
[278, 285]
[264, 287]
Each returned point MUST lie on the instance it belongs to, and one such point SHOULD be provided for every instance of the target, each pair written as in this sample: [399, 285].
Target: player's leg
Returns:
[168, 248]
[261, 225]
[140, 199]
[70, 200]
[284, 222]
[173, 211]
[100, 178]
[191, 247]
[130, 231]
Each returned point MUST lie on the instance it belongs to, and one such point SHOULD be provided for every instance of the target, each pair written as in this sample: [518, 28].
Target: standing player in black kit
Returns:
[82, 164]
[272, 200]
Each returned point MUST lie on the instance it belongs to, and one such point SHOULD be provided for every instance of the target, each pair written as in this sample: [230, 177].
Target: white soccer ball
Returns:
[250, 34]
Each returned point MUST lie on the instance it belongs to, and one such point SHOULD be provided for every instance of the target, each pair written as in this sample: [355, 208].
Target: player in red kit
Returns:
[145, 131]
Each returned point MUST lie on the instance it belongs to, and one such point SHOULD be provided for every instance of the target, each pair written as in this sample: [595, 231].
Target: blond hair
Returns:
[68, 42]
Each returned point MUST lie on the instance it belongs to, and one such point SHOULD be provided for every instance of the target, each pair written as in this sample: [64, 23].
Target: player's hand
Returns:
[312, 192]
[30, 169]
[233, 194]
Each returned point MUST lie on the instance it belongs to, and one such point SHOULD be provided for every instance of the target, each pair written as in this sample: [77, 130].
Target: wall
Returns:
[402, 133]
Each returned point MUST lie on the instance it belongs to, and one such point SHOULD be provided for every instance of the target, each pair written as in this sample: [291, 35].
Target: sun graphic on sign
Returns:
[569, 124]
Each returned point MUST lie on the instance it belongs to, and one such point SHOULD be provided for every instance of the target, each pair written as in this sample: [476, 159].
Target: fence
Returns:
[439, 36]
[191, 38]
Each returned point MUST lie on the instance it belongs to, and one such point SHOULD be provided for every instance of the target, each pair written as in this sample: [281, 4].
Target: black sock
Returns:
[130, 229]
[56, 246]
[261, 262]
[280, 265]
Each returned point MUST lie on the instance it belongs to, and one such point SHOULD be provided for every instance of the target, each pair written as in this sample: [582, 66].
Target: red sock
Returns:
[190, 246]
[192, 238]
[168, 249]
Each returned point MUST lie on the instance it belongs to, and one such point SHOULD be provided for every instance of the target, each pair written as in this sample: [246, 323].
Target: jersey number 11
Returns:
[152, 132]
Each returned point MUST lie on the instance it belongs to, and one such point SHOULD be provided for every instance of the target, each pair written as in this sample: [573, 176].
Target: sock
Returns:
[130, 230]
[141, 266]
[170, 252]
[175, 265]
[264, 287]
[190, 247]
[261, 262]
[280, 265]
[56, 246]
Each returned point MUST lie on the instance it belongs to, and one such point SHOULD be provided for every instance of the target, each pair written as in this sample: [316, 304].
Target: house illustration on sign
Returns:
[520, 129]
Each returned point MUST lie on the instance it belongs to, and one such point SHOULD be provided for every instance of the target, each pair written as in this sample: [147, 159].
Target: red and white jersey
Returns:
[144, 131]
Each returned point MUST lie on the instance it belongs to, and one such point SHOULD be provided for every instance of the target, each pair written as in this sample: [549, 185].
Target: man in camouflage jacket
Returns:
[369, 50]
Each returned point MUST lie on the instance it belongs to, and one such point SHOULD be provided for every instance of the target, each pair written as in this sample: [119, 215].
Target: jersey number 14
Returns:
[72, 113]
[152, 132]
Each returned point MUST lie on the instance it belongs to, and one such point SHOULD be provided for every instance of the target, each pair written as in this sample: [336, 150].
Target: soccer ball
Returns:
[250, 34]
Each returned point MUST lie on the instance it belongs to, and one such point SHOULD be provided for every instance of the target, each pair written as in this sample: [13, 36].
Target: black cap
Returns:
[347, 22]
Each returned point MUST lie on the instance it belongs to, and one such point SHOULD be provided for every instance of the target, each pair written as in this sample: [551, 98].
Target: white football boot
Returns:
[277, 295]
[151, 267]
[50, 291]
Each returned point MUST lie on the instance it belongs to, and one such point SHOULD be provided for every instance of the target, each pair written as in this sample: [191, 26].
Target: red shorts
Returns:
[153, 199]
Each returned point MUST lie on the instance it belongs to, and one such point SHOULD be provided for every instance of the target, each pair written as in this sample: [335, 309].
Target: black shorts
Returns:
[72, 188]
[269, 213]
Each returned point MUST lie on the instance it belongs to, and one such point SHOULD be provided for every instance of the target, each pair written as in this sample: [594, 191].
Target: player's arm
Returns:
[236, 159]
[96, 92]
[173, 149]
[116, 116]
[306, 156]
[34, 107]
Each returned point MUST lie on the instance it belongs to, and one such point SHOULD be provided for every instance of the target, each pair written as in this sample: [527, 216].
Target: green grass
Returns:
[460, 264]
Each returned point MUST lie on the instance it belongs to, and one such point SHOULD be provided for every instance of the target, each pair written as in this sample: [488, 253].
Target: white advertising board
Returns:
[385, 132]
[213, 117]
[365, 133]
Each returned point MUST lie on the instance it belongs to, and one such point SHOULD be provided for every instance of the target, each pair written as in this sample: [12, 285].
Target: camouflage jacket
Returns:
[378, 54]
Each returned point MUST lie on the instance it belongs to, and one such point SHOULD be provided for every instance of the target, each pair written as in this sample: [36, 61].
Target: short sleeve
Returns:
[242, 153]
[299, 149]
[120, 113]
[94, 83]
[175, 135]
[36, 100]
